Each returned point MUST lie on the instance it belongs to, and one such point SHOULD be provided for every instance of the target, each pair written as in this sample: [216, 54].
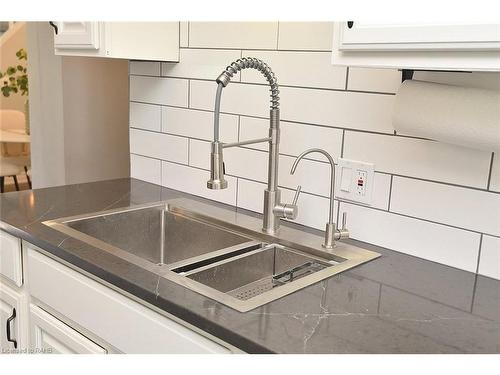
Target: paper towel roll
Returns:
[464, 116]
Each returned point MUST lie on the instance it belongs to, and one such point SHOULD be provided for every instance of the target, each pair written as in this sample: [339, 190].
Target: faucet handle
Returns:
[288, 210]
[296, 196]
[343, 232]
[344, 220]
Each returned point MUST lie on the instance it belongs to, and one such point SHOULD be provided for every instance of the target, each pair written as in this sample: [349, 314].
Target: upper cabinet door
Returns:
[77, 35]
[417, 46]
[414, 37]
[156, 41]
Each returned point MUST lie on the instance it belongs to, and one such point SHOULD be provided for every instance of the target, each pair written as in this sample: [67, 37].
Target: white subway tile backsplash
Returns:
[146, 68]
[351, 110]
[199, 154]
[314, 177]
[377, 80]
[252, 164]
[313, 210]
[489, 264]
[184, 34]
[251, 195]
[306, 36]
[194, 181]
[381, 191]
[239, 35]
[145, 116]
[159, 146]
[332, 108]
[455, 247]
[201, 64]
[167, 91]
[198, 124]
[290, 69]
[246, 163]
[238, 98]
[419, 158]
[145, 169]
[465, 208]
[295, 138]
[495, 174]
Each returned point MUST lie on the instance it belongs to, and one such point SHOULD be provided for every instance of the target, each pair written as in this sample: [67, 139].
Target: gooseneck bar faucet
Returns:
[331, 233]
[273, 208]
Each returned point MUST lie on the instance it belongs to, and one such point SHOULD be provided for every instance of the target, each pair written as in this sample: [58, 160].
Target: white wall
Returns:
[432, 200]
[78, 112]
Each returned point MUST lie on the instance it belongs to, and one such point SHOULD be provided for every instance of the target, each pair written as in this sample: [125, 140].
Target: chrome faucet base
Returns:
[329, 236]
[270, 222]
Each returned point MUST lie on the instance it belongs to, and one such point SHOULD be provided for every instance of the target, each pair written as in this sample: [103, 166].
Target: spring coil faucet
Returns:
[273, 208]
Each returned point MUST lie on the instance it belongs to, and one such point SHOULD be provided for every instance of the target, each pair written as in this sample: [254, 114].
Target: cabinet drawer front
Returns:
[49, 335]
[127, 325]
[10, 258]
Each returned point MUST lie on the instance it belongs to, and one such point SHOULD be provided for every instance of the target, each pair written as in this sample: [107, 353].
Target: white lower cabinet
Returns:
[126, 325]
[11, 319]
[49, 335]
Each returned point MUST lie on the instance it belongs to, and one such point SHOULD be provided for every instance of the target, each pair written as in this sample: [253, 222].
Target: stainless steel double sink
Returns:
[216, 252]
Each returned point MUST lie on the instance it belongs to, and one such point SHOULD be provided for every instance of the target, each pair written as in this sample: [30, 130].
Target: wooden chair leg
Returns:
[27, 176]
[2, 185]
[15, 182]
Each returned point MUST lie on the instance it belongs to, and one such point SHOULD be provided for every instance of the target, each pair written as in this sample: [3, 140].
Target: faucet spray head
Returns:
[217, 171]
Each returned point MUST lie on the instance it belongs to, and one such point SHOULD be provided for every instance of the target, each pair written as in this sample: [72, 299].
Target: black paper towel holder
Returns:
[407, 74]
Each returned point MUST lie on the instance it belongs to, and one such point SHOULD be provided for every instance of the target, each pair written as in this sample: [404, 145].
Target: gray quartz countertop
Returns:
[394, 304]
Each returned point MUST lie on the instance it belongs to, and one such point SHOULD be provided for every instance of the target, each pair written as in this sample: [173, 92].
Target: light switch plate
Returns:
[354, 180]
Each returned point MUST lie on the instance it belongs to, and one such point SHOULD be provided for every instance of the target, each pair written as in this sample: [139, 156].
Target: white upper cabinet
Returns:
[76, 35]
[417, 46]
[157, 41]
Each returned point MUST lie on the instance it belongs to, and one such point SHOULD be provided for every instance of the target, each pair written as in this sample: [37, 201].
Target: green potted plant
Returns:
[15, 80]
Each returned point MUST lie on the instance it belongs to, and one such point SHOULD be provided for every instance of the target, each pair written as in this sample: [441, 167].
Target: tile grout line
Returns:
[479, 253]
[236, 204]
[390, 194]
[343, 141]
[477, 273]
[189, 29]
[278, 37]
[239, 127]
[341, 90]
[282, 120]
[346, 78]
[491, 171]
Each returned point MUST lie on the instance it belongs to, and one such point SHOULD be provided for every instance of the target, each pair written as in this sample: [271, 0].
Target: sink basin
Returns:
[156, 235]
[213, 251]
[249, 275]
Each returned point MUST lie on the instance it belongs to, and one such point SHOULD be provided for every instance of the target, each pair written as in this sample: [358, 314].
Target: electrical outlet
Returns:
[355, 181]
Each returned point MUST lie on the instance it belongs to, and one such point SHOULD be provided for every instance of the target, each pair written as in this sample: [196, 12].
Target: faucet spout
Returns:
[273, 208]
[331, 233]
[332, 174]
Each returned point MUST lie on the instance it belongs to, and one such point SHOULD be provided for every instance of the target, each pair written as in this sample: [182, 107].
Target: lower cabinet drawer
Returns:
[125, 324]
[48, 335]
[10, 258]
